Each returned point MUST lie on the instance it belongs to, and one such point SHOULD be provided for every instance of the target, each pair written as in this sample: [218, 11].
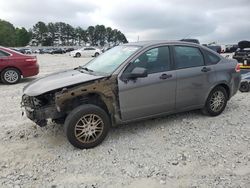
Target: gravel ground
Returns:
[183, 150]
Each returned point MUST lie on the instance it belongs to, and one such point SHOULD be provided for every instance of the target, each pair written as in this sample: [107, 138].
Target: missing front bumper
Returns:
[40, 116]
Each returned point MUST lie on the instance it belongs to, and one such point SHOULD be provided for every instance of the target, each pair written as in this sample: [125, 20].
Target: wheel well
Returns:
[91, 98]
[226, 88]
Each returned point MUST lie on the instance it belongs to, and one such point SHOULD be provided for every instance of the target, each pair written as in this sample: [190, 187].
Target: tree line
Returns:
[59, 34]
[11, 36]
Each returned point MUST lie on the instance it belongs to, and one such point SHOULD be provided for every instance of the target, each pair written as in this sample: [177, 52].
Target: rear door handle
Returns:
[165, 76]
[206, 69]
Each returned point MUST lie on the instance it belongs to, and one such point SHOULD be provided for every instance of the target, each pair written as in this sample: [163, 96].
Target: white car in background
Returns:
[86, 52]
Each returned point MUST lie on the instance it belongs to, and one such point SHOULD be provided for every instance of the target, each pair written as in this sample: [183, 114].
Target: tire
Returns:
[10, 76]
[78, 55]
[216, 102]
[244, 87]
[80, 129]
[59, 121]
[97, 54]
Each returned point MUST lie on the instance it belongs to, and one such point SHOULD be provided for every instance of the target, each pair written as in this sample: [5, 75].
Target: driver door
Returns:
[150, 95]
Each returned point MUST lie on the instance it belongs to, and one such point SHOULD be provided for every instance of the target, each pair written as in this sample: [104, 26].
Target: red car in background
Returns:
[14, 66]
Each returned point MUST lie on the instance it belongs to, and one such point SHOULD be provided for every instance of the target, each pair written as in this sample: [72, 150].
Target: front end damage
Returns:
[57, 104]
[40, 108]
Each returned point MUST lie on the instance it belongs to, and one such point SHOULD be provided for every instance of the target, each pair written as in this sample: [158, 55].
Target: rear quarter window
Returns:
[211, 59]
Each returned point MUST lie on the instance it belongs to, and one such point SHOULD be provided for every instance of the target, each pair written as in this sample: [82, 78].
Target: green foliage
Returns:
[7, 33]
[59, 33]
[22, 37]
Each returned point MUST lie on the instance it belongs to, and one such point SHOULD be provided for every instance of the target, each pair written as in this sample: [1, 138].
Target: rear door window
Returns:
[187, 56]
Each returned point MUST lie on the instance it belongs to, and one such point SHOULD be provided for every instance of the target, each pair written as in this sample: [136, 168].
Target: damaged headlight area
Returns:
[40, 108]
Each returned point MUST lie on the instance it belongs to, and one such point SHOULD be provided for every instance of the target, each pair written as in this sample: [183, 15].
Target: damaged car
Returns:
[132, 82]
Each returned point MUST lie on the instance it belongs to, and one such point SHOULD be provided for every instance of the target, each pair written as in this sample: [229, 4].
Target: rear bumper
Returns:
[235, 85]
[31, 70]
[245, 60]
[245, 66]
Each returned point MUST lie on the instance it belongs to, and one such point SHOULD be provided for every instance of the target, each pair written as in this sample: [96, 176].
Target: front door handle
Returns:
[165, 76]
[206, 69]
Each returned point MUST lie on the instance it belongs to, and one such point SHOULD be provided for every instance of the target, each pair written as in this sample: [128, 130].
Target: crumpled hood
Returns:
[56, 81]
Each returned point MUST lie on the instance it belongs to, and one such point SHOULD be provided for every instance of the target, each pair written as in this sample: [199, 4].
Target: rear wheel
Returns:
[78, 55]
[97, 54]
[244, 87]
[10, 76]
[216, 101]
[87, 126]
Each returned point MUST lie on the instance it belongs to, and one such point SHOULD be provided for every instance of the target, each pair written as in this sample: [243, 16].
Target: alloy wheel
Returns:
[89, 128]
[217, 101]
[11, 76]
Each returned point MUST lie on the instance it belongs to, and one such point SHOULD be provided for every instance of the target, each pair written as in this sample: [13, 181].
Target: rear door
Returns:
[194, 77]
[151, 95]
[85, 52]
[88, 52]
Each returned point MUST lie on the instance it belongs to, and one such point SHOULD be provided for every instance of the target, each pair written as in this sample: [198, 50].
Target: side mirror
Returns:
[137, 72]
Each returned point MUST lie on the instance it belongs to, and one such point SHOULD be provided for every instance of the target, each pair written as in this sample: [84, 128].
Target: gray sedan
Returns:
[132, 82]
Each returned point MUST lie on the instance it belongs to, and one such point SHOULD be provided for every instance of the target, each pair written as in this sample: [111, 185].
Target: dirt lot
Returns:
[184, 150]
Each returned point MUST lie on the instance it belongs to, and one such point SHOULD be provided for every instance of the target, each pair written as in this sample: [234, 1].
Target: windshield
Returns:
[109, 61]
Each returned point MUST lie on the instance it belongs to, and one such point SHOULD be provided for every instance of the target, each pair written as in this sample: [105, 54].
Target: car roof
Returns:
[156, 42]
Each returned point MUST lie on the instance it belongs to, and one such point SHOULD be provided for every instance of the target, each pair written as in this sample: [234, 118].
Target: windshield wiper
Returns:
[84, 68]
[87, 69]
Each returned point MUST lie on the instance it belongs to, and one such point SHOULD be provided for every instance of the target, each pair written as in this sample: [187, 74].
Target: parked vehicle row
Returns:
[15, 65]
[132, 82]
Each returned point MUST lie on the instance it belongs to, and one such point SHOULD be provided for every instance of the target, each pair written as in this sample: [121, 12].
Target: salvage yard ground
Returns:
[183, 150]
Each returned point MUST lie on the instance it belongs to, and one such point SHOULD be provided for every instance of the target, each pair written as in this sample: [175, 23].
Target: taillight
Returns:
[31, 59]
[237, 68]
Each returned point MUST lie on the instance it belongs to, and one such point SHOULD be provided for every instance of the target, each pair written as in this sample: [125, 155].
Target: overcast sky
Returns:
[223, 21]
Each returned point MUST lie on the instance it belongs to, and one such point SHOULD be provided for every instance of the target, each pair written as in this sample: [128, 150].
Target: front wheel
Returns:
[87, 126]
[97, 54]
[216, 101]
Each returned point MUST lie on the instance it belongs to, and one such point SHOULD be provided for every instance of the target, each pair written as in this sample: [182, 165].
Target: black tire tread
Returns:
[247, 85]
[75, 114]
[6, 82]
[206, 110]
